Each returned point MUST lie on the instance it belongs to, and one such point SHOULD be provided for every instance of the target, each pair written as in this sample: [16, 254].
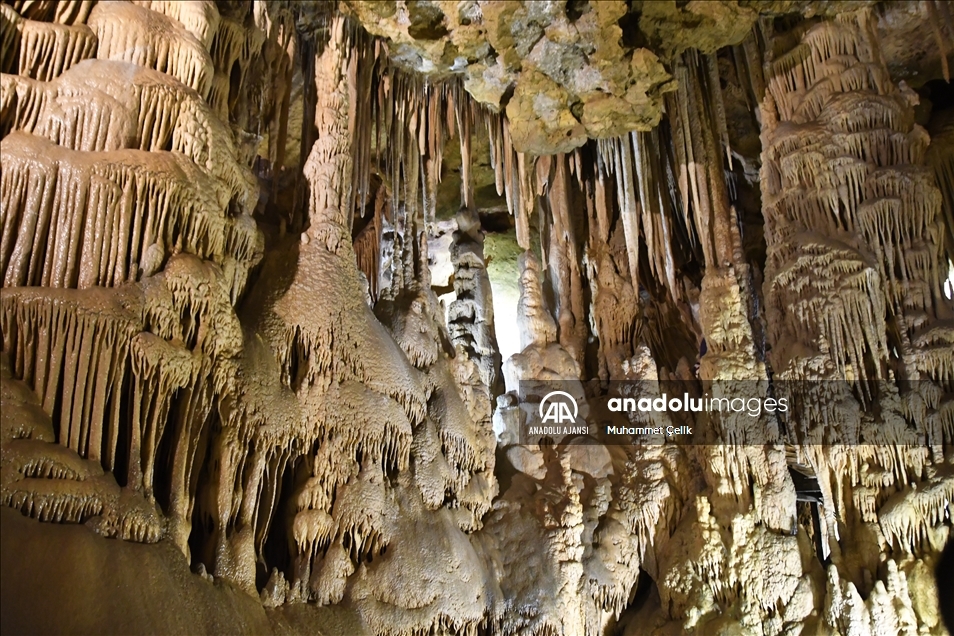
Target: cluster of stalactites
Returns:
[855, 234]
[129, 33]
[345, 498]
[846, 193]
[42, 50]
[117, 170]
[188, 40]
[200, 203]
[412, 120]
[142, 365]
[55, 11]
[107, 105]
[82, 219]
[670, 188]
[670, 182]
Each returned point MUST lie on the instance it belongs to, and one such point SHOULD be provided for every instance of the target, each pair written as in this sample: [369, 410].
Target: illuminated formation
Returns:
[250, 251]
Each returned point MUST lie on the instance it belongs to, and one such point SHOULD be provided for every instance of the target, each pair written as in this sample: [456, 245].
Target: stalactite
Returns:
[465, 120]
[73, 11]
[112, 217]
[230, 48]
[48, 50]
[943, 44]
[514, 175]
[363, 66]
[718, 107]
[128, 33]
[367, 248]
[941, 158]
[9, 38]
[35, 9]
[86, 109]
[677, 201]
[563, 258]
[620, 163]
[689, 104]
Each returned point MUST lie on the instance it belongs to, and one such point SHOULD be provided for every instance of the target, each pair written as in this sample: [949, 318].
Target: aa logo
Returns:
[557, 410]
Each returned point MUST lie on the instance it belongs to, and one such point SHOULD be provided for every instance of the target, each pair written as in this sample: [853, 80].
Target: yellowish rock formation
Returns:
[231, 350]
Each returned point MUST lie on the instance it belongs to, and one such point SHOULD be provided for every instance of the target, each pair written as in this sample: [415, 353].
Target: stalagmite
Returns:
[470, 315]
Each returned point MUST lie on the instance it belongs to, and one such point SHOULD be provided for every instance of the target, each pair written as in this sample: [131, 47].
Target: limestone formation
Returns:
[251, 257]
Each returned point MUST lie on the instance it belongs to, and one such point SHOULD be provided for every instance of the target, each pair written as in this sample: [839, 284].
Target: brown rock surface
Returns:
[373, 317]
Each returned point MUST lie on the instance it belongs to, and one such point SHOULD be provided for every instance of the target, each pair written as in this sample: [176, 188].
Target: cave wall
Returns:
[231, 357]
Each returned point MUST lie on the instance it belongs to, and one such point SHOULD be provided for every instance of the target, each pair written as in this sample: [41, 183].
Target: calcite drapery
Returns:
[310, 438]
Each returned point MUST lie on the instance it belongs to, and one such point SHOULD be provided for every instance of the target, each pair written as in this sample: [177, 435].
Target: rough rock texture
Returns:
[565, 71]
[249, 330]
